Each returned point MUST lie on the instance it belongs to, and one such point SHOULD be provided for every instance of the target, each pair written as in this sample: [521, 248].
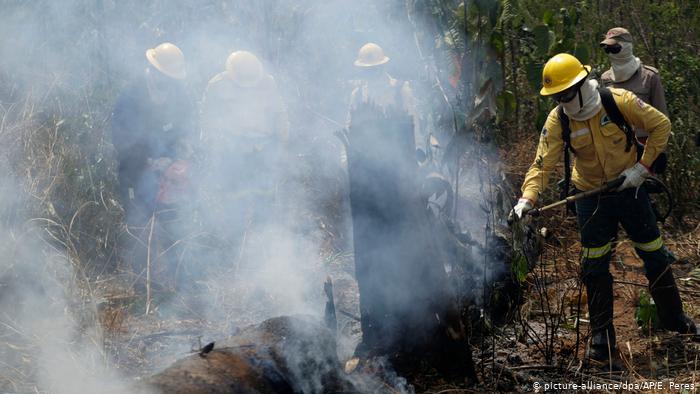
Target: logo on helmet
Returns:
[547, 80]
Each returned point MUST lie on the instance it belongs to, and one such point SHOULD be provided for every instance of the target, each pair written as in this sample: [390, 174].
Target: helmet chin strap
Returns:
[580, 98]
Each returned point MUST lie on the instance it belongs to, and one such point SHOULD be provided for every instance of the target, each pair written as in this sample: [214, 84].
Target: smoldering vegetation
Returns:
[87, 302]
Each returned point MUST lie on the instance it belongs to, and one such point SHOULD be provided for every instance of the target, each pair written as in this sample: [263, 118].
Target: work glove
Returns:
[519, 209]
[634, 176]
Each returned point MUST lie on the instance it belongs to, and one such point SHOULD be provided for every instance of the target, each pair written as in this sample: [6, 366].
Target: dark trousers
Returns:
[598, 220]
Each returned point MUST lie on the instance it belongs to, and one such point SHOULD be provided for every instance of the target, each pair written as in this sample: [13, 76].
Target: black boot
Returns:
[600, 308]
[668, 303]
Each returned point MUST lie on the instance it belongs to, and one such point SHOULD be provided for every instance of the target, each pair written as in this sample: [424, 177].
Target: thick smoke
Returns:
[51, 337]
[63, 70]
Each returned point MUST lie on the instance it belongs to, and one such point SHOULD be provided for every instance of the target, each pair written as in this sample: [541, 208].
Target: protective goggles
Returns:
[566, 95]
[612, 48]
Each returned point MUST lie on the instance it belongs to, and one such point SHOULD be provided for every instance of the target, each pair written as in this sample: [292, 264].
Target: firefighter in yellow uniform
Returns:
[601, 155]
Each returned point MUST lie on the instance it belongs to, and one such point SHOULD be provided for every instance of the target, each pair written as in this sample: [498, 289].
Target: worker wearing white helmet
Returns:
[245, 129]
[243, 102]
[153, 129]
[376, 86]
[152, 126]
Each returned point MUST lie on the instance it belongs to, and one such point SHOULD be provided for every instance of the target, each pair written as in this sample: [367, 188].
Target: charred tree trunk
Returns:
[406, 306]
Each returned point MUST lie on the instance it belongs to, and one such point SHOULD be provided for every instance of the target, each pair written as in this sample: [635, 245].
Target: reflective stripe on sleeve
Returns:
[595, 253]
[651, 246]
[580, 132]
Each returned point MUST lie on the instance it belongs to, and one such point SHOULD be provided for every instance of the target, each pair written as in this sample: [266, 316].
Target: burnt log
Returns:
[406, 307]
[280, 355]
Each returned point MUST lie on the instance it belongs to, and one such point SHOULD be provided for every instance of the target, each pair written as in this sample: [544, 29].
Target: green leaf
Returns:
[552, 40]
[505, 101]
[562, 45]
[541, 34]
[645, 314]
[533, 70]
[508, 12]
[519, 267]
[582, 54]
[548, 17]
[497, 43]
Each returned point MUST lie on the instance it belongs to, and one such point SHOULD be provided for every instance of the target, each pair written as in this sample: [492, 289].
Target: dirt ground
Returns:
[645, 355]
[544, 343]
[541, 345]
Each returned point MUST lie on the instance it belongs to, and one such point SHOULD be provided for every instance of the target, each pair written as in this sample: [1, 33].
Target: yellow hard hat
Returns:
[168, 59]
[562, 72]
[370, 55]
[244, 68]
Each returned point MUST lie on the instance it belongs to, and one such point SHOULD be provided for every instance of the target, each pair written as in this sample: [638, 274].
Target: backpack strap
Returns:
[616, 116]
[566, 137]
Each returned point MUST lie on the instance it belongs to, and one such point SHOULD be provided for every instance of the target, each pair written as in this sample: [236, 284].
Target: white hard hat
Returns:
[168, 59]
[370, 55]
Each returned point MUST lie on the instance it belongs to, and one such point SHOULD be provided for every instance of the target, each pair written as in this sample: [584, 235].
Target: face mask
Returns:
[624, 54]
[624, 64]
[586, 103]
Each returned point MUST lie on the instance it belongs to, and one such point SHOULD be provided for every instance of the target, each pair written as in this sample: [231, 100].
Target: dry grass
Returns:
[59, 220]
[646, 357]
[58, 184]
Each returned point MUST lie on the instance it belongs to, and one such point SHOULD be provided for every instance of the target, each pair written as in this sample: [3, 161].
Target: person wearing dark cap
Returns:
[627, 72]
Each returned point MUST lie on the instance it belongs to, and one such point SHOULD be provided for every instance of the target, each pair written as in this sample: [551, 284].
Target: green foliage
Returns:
[506, 103]
[581, 52]
[533, 69]
[645, 314]
[526, 33]
[542, 40]
[519, 267]
[497, 43]
[548, 18]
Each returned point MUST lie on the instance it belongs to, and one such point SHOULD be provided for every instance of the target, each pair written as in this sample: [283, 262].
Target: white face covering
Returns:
[624, 64]
[591, 102]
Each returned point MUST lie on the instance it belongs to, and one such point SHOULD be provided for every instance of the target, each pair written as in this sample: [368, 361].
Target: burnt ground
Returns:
[541, 344]
[516, 357]
[523, 355]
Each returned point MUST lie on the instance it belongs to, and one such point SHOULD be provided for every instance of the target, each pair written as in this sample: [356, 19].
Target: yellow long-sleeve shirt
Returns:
[599, 145]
